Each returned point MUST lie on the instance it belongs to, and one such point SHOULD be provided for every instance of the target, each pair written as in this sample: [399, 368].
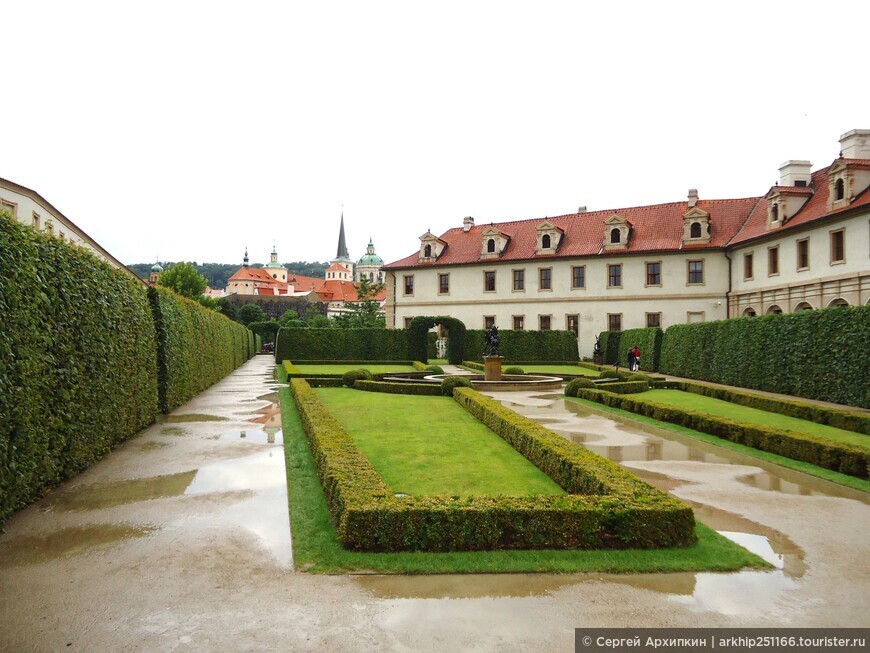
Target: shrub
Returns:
[575, 384]
[435, 369]
[352, 376]
[807, 354]
[513, 370]
[451, 382]
[341, 344]
[420, 341]
[430, 389]
[612, 374]
[78, 361]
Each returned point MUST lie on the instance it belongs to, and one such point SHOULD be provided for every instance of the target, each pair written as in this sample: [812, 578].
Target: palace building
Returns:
[803, 245]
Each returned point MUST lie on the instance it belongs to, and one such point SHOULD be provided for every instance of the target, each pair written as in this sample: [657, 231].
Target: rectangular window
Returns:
[519, 279]
[773, 260]
[544, 322]
[654, 273]
[803, 254]
[408, 322]
[578, 276]
[694, 316]
[36, 220]
[838, 246]
[545, 279]
[12, 207]
[614, 321]
[488, 321]
[696, 271]
[443, 284]
[747, 266]
[409, 284]
[573, 323]
[489, 281]
[519, 322]
[653, 320]
[614, 276]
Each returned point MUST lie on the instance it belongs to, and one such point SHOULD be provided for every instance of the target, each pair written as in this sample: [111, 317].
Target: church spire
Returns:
[342, 253]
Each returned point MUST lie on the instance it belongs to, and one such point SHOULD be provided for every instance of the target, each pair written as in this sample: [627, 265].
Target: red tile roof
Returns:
[654, 228]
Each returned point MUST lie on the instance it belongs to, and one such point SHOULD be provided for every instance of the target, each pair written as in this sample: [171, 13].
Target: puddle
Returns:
[153, 446]
[465, 586]
[194, 417]
[172, 430]
[257, 436]
[107, 495]
[35, 549]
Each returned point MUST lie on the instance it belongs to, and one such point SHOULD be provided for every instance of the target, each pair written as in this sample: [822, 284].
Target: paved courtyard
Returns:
[180, 540]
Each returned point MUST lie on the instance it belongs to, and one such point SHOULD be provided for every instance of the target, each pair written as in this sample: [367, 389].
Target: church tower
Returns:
[275, 269]
[342, 258]
[370, 266]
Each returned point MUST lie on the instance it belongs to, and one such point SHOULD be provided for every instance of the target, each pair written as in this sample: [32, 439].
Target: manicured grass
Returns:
[797, 465]
[431, 446]
[341, 369]
[316, 548]
[726, 409]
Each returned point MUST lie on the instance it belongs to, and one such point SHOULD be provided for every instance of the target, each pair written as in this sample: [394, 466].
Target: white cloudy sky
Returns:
[189, 130]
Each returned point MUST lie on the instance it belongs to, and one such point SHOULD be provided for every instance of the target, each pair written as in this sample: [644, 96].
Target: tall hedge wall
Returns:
[197, 347]
[77, 361]
[812, 354]
[530, 346]
[615, 346]
[341, 344]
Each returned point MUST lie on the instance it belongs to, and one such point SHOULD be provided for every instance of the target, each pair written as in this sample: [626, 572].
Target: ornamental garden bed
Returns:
[840, 450]
[317, 546]
[604, 505]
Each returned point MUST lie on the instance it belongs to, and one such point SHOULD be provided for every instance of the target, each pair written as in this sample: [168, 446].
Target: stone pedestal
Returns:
[492, 368]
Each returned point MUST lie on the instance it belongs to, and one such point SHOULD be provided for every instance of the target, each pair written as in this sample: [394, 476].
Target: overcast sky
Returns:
[190, 130]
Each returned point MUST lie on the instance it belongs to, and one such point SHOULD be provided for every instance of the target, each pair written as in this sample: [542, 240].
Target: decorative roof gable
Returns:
[549, 237]
[431, 247]
[696, 226]
[617, 231]
[493, 243]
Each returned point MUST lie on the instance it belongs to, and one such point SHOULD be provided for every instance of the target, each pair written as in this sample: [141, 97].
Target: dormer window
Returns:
[431, 247]
[494, 243]
[549, 238]
[695, 230]
[617, 232]
[774, 213]
[839, 190]
[696, 226]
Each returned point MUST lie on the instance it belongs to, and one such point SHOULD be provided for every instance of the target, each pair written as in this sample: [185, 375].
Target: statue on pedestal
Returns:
[492, 342]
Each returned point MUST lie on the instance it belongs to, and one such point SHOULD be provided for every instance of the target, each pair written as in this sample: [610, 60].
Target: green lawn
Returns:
[341, 369]
[728, 410]
[431, 446]
[316, 548]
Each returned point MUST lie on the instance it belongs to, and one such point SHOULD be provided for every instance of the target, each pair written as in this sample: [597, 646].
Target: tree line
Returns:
[217, 274]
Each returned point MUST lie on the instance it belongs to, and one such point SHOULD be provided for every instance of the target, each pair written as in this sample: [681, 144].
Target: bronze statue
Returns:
[492, 342]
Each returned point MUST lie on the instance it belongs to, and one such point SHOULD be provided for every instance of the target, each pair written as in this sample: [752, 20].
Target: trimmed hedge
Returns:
[631, 514]
[78, 362]
[525, 346]
[450, 383]
[624, 387]
[421, 344]
[196, 347]
[574, 384]
[352, 376]
[431, 389]
[840, 457]
[615, 345]
[330, 345]
[812, 354]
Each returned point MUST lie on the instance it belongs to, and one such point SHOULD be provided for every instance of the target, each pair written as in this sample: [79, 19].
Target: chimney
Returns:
[855, 144]
[693, 197]
[795, 173]
[467, 223]
[581, 209]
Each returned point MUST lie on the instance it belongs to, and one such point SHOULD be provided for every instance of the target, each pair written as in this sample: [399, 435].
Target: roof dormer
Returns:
[617, 231]
[696, 226]
[784, 202]
[493, 243]
[549, 237]
[847, 178]
[431, 247]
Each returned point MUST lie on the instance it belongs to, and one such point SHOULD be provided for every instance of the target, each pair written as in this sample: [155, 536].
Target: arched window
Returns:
[839, 189]
[695, 230]
[749, 312]
[774, 212]
[371, 276]
[545, 241]
[427, 251]
[490, 245]
[614, 235]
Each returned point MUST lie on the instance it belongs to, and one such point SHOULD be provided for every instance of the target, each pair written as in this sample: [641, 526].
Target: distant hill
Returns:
[218, 274]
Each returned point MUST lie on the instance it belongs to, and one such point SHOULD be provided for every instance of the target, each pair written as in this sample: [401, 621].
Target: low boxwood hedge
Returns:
[608, 507]
[840, 457]
[624, 387]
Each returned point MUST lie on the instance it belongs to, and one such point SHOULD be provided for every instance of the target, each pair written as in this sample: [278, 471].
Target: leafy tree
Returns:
[210, 302]
[183, 279]
[289, 316]
[319, 322]
[228, 308]
[251, 313]
[365, 313]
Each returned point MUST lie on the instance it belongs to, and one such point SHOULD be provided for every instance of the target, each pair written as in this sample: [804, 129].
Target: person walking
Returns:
[636, 352]
[631, 360]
